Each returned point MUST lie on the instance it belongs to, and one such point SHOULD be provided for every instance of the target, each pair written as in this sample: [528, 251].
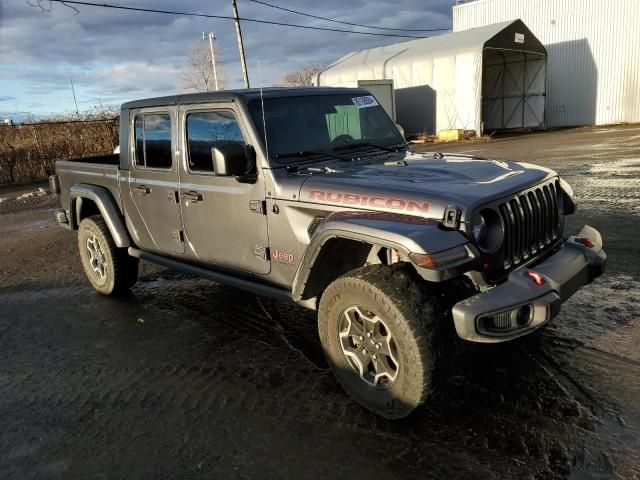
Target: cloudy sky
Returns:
[115, 56]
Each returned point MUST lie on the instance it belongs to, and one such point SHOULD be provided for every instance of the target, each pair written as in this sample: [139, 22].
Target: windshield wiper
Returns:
[387, 148]
[308, 153]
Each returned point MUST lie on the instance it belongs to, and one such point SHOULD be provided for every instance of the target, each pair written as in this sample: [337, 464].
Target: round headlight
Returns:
[487, 230]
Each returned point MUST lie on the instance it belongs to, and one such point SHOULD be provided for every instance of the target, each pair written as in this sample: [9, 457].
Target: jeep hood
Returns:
[419, 184]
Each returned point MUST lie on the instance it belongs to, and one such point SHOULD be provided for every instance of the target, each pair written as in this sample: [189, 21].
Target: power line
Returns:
[348, 23]
[224, 17]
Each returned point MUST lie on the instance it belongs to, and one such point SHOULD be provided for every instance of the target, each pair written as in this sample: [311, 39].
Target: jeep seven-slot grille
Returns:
[532, 221]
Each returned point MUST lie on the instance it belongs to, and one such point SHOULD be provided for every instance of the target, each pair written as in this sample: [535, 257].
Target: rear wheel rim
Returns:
[96, 257]
[369, 347]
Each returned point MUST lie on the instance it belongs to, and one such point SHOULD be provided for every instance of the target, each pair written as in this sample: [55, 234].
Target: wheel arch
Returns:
[86, 200]
[331, 257]
[349, 240]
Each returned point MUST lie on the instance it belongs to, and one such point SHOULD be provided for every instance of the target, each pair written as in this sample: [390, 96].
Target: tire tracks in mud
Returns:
[572, 360]
[261, 318]
[207, 384]
[579, 368]
[576, 346]
[292, 392]
[191, 389]
[256, 373]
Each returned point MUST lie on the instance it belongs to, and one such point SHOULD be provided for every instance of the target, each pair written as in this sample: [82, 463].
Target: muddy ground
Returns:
[188, 379]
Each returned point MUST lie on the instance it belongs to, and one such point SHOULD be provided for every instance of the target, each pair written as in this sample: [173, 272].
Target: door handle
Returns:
[192, 197]
[143, 190]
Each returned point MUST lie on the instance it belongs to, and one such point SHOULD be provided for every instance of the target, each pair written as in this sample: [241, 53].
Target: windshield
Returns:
[298, 126]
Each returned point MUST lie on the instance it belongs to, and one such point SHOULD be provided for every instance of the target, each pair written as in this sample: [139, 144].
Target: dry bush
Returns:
[28, 152]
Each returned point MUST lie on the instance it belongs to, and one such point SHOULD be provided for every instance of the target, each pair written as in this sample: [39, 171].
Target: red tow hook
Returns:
[536, 277]
[585, 241]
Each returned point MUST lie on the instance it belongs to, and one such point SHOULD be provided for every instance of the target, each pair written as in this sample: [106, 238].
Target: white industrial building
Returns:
[509, 64]
[487, 78]
[593, 46]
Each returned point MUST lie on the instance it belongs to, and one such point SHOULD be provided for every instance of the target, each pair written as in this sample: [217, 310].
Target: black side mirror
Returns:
[229, 159]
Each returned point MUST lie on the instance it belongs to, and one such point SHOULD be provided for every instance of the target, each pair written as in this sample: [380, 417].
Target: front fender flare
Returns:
[404, 233]
[107, 207]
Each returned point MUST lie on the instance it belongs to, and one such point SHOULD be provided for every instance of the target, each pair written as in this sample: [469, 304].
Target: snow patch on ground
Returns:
[37, 193]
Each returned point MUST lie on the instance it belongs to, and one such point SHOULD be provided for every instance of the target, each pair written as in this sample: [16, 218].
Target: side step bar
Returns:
[242, 284]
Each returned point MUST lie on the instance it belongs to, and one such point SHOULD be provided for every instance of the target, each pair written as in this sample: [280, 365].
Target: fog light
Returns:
[499, 322]
[508, 321]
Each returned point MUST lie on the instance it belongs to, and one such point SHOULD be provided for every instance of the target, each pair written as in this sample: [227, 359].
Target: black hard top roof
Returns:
[245, 93]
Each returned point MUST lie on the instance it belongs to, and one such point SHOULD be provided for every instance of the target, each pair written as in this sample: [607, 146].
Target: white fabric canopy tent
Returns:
[491, 77]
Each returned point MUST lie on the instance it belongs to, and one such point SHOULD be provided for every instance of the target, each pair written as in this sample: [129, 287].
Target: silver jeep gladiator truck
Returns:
[313, 195]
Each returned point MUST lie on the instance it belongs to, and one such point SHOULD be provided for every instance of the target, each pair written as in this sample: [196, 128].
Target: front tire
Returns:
[110, 269]
[376, 326]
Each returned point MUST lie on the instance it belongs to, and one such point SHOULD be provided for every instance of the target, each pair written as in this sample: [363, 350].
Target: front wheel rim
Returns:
[97, 260]
[369, 347]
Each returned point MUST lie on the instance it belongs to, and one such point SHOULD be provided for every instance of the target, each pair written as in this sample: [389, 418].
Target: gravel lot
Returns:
[189, 379]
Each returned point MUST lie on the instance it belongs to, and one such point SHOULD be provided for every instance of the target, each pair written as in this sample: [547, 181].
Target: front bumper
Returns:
[520, 305]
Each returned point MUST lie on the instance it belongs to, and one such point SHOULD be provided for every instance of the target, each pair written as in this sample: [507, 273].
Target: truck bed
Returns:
[101, 170]
[108, 159]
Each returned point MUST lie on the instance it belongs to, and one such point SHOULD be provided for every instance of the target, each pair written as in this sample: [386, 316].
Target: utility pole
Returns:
[73, 90]
[212, 37]
[243, 62]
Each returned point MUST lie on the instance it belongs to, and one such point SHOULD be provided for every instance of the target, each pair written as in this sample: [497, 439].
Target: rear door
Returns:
[224, 220]
[153, 180]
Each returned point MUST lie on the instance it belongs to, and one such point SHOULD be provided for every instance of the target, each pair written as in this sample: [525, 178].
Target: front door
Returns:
[153, 182]
[224, 219]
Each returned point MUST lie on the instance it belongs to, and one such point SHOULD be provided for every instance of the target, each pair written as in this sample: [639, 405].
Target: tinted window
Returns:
[206, 130]
[153, 140]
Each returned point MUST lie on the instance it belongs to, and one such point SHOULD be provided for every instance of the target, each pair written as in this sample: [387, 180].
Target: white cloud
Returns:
[118, 55]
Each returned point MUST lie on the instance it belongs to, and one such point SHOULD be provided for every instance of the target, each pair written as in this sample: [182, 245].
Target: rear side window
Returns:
[206, 130]
[153, 140]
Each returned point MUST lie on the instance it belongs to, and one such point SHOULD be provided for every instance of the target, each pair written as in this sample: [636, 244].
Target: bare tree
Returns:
[302, 77]
[42, 5]
[199, 76]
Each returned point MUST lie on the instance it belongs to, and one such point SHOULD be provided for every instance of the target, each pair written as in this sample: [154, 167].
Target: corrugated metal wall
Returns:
[593, 69]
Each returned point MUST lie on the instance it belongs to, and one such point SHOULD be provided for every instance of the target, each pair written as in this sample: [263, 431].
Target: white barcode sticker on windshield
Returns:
[364, 101]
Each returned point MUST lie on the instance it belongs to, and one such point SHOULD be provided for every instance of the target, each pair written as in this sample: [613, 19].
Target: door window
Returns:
[206, 130]
[153, 140]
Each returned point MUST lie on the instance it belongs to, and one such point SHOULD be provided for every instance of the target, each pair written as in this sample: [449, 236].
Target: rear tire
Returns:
[379, 316]
[109, 269]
